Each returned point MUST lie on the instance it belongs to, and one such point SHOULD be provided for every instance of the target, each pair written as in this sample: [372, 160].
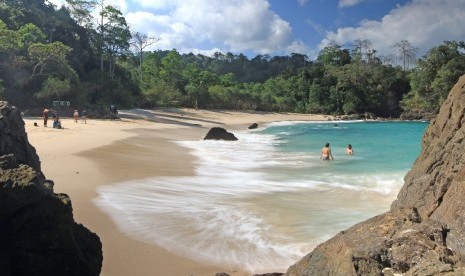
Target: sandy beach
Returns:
[83, 156]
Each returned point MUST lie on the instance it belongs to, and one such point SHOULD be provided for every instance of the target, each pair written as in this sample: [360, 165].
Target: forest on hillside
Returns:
[64, 54]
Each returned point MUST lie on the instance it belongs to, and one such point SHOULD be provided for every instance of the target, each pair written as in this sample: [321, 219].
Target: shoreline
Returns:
[82, 157]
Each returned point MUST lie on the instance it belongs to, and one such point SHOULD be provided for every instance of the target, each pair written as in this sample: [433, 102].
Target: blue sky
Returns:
[282, 27]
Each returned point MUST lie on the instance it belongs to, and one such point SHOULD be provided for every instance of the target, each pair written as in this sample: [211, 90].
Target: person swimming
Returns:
[326, 153]
[349, 150]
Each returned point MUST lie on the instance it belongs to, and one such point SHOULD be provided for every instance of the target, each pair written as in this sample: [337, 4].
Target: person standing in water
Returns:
[349, 150]
[326, 153]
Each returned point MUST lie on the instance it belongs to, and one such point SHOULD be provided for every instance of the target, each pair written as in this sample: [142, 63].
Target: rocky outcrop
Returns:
[38, 233]
[418, 115]
[13, 138]
[253, 126]
[219, 133]
[424, 231]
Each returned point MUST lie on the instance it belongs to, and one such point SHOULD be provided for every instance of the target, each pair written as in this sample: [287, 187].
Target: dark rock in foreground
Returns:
[38, 233]
[424, 231]
[219, 133]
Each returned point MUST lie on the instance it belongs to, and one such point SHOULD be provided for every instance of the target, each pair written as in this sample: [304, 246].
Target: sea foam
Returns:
[251, 204]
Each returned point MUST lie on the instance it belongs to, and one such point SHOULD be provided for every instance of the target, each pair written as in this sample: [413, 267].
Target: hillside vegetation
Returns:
[49, 54]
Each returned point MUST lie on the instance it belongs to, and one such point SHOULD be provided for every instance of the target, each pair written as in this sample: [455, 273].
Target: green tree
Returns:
[434, 77]
[220, 97]
[228, 79]
[164, 79]
[140, 42]
[29, 34]
[318, 99]
[151, 67]
[116, 36]
[113, 37]
[198, 83]
[53, 87]
[334, 55]
[10, 39]
[171, 70]
[50, 59]
[81, 11]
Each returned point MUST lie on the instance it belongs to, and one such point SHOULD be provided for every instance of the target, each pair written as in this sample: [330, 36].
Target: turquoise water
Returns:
[378, 146]
[265, 201]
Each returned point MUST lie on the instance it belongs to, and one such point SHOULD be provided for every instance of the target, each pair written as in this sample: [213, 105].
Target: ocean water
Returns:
[265, 201]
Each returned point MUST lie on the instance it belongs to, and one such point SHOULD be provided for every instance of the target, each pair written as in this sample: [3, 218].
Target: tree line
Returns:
[49, 54]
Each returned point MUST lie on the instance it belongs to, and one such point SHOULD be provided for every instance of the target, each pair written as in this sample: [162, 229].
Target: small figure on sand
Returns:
[326, 153]
[45, 115]
[84, 116]
[56, 121]
[349, 150]
[76, 115]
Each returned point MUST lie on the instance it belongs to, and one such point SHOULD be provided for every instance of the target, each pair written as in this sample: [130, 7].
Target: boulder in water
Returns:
[253, 126]
[219, 133]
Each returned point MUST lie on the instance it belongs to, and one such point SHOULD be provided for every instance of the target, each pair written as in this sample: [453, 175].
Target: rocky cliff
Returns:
[423, 233]
[38, 235]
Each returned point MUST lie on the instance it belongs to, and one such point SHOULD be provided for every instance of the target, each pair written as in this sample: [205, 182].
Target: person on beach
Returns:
[56, 121]
[76, 115]
[349, 150]
[84, 116]
[326, 153]
[45, 116]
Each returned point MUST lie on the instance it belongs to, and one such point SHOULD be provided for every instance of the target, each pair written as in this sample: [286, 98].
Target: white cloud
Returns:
[252, 27]
[348, 3]
[300, 47]
[121, 5]
[424, 23]
[317, 27]
[157, 4]
[234, 25]
[57, 3]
